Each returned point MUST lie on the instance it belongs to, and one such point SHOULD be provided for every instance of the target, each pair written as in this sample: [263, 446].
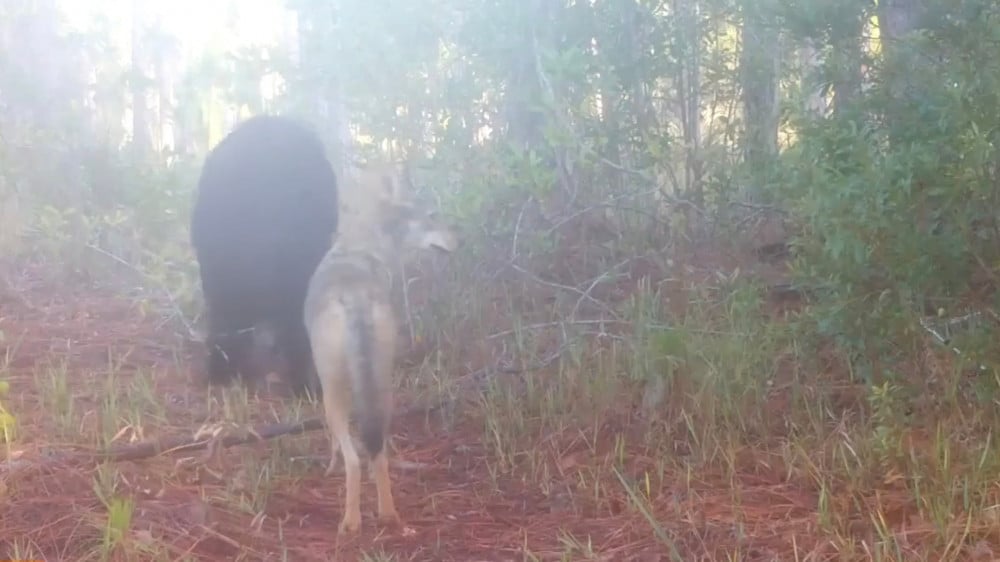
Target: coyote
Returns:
[352, 329]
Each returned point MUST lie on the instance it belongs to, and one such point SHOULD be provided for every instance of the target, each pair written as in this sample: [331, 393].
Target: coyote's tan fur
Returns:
[352, 329]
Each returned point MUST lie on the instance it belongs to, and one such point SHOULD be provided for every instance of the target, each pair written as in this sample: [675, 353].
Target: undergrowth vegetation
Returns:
[613, 340]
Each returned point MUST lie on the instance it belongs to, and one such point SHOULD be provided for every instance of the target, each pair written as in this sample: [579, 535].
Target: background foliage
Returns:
[886, 163]
[592, 153]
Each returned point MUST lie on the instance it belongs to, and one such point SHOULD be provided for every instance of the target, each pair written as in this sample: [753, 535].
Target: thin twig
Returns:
[186, 443]
[517, 230]
[170, 296]
[602, 277]
[570, 288]
[544, 325]
[609, 204]
[669, 196]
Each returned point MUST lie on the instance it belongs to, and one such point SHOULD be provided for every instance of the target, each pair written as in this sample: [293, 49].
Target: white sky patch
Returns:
[198, 25]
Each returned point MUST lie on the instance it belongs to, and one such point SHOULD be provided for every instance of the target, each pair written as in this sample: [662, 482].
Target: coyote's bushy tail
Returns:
[361, 363]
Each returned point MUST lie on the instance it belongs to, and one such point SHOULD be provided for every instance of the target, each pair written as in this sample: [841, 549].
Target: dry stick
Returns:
[556, 324]
[517, 229]
[583, 295]
[609, 204]
[154, 448]
[186, 443]
[170, 296]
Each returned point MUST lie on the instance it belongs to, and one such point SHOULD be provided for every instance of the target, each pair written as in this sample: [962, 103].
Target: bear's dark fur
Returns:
[264, 215]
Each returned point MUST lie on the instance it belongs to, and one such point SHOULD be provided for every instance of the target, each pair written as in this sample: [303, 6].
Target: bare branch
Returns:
[192, 334]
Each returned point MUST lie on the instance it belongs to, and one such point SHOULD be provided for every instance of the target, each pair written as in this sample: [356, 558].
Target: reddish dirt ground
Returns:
[454, 503]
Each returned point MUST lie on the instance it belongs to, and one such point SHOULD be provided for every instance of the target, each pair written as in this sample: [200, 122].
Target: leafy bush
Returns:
[897, 195]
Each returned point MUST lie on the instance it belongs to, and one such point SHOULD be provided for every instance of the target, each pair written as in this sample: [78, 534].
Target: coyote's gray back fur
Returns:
[349, 302]
[352, 329]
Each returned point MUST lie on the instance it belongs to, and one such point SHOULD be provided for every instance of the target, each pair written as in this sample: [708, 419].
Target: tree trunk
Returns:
[897, 18]
[330, 104]
[140, 120]
[689, 86]
[848, 76]
[759, 63]
[810, 63]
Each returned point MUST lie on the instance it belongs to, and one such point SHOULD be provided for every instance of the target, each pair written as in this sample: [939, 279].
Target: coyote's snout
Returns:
[352, 329]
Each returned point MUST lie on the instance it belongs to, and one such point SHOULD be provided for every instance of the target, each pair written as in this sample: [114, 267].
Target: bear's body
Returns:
[264, 215]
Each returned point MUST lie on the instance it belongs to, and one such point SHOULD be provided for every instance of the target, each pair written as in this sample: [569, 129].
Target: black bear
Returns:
[264, 215]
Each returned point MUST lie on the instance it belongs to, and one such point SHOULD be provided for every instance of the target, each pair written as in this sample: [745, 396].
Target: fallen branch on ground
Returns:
[184, 443]
[176, 444]
[188, 443]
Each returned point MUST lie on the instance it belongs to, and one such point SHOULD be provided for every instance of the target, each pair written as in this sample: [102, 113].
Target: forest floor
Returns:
[88, 371]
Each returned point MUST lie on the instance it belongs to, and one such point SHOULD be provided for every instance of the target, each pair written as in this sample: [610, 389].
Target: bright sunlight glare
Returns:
[198, 25]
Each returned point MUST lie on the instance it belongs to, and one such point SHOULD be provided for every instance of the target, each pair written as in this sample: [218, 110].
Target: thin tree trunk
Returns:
[140, 120]
[330, 104]
[897, 18]
[690, 96]
[847, 81]
[759, 63]
[811, 61]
